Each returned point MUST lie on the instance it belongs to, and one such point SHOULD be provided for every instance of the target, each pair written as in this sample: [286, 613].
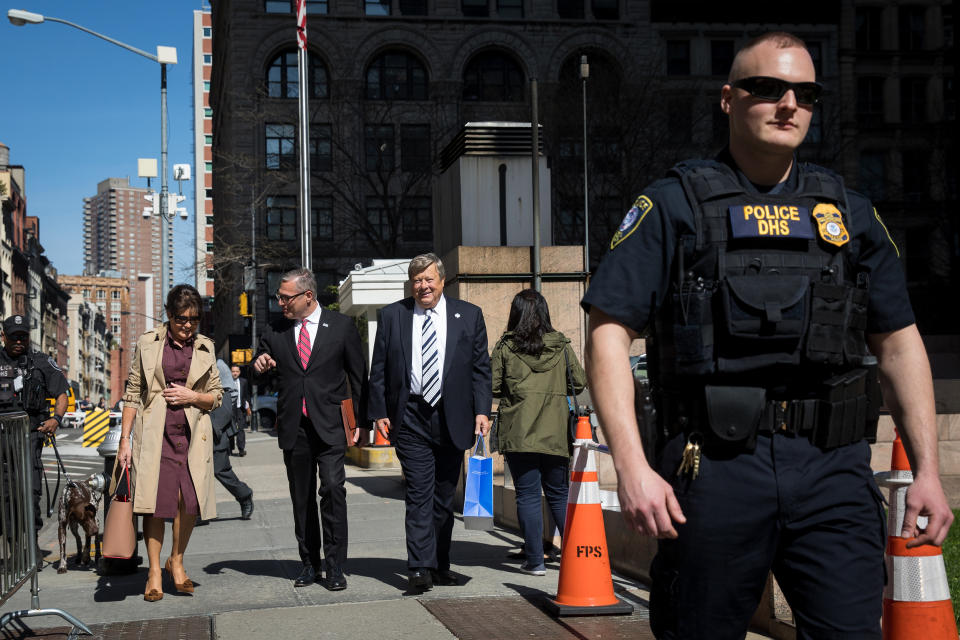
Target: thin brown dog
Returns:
[77, 507]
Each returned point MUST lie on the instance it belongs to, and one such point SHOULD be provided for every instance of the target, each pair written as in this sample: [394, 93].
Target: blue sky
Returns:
[77, 109]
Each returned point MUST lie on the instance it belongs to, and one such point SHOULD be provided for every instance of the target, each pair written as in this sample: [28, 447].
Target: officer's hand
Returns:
[123, 453]
[647, 502]
[383, 426]
[48, 426]
[925, 498]
[264, 363]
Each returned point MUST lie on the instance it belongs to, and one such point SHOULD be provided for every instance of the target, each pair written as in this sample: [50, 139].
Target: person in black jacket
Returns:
[221, 418]
[318, 357]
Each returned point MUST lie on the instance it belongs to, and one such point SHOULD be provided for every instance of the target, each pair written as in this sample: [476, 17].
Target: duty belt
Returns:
[827, 424]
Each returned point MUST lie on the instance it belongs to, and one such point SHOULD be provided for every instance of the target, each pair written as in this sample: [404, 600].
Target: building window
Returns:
[721, 57]
[287, 6]
[493, 77]
[283, 82]
[868, 28]
[207, 140]
[678, 57]
[413, 7]
[379, 147]
[415, 147]
[870, 100]
[208, 193]
[208, 167]
[568, 226]
[913, 100]
[510, 8]
[86, 294]
[872, 176]
[321, 153]
[475, 8]
[911, 18]
[115, 295]
[321, 217]
[605, 9]
[915, 171]
[417, 219]
[280, 146]
[207, 112]
[101, 294]
[207, 32]
[210, 221]
[378, 215]
[282, 218]
[209, 247]
[206, 85]
[377, 7]
[396, 75]
[570, 9]
[207, 58]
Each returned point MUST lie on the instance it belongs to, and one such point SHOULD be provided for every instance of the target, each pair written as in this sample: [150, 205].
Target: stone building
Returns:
[393, 81]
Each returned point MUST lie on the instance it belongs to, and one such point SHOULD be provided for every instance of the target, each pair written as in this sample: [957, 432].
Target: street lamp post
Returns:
[165, 56]
[584, 74]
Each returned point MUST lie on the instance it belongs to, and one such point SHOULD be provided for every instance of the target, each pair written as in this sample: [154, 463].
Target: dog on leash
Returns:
[78, 509]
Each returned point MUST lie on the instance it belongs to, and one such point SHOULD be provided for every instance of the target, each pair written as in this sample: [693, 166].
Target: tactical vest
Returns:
[764, 297]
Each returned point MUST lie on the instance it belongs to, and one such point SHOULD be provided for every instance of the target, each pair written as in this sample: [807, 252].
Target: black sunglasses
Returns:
[767, 88]
[182, 320]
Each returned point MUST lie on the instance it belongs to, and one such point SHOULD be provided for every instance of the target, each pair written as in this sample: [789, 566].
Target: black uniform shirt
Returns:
[53, 380]
[636, 273]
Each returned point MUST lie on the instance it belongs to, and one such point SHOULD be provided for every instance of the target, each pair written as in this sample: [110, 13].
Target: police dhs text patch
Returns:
[770, 221]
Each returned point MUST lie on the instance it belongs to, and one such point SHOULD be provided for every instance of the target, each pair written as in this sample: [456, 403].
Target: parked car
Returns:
[267, 410]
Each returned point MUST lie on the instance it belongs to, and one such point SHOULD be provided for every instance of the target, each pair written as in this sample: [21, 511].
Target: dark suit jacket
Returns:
[466, 368]
[336, 359]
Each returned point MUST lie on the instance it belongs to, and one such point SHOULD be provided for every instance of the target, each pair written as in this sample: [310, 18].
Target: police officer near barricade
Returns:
[27, 379]
[771, 296]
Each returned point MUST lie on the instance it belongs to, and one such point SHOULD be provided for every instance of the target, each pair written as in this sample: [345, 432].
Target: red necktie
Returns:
[303, 349]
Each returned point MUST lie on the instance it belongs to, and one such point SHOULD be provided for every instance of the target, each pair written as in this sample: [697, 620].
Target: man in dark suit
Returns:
[241, 409]
[319, 360]
[221, 418]
[430, 393]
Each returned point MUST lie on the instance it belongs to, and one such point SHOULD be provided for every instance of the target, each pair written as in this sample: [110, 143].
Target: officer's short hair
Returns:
[302, 278]
[781, 39]
[422, 262]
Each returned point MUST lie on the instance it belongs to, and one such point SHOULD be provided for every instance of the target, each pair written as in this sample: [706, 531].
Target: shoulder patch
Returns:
[877, 216]
[641, 207]
[53, 363]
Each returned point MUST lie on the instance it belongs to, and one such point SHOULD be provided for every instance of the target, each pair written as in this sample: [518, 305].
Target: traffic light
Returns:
[241, 356]
[244, 305]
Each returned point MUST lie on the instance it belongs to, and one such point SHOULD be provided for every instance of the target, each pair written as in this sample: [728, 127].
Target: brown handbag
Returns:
[119, 530]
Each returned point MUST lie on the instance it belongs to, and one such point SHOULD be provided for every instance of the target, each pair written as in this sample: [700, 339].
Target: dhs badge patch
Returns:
[641, 207]
[830, 224]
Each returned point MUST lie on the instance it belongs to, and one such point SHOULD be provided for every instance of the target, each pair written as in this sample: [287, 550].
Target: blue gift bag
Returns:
[478, 491]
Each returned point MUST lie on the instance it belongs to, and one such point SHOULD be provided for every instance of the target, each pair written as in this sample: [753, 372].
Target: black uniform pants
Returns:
[36, 448]
[814, 518]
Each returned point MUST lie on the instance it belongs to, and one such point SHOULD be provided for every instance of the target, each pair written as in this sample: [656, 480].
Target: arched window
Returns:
[396, 75]
[493, 76]
[282, 81]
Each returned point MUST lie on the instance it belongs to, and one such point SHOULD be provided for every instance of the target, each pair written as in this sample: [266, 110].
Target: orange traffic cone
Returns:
[916, 600]
[379, 440]
[586, 585]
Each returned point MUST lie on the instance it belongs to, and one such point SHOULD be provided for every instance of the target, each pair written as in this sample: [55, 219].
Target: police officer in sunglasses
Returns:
[775, 308]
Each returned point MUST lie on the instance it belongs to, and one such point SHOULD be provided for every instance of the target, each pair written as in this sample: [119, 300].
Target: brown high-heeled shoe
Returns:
[153, 595]
[183, 587]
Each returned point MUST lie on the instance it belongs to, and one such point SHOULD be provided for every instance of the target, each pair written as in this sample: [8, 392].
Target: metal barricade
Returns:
[18, 536]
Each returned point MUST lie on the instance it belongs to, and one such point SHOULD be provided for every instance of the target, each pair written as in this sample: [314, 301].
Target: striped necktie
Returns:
[303, 350]
[430, 358]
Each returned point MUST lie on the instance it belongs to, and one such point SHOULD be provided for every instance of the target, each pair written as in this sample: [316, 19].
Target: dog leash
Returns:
[52, 439]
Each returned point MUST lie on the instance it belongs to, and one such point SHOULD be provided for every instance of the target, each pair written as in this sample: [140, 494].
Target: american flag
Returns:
[302, 24]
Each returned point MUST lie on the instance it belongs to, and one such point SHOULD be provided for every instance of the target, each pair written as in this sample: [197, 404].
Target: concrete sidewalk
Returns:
[244, 573]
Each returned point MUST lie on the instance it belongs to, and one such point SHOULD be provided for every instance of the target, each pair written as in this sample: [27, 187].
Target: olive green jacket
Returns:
[533, 414]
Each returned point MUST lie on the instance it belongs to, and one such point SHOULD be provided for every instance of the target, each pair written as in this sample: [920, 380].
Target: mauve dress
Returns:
[175, 477]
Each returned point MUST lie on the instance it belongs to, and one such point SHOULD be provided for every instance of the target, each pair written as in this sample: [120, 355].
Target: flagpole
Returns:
[306, 256]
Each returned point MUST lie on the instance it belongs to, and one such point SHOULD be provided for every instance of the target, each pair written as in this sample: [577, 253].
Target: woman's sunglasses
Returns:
[767, 88]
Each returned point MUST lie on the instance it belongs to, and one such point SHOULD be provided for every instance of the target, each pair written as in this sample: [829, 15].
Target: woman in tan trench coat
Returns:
[172, 387]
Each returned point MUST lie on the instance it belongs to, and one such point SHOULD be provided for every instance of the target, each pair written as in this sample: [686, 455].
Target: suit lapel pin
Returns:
[325, 325]
[456, 315]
